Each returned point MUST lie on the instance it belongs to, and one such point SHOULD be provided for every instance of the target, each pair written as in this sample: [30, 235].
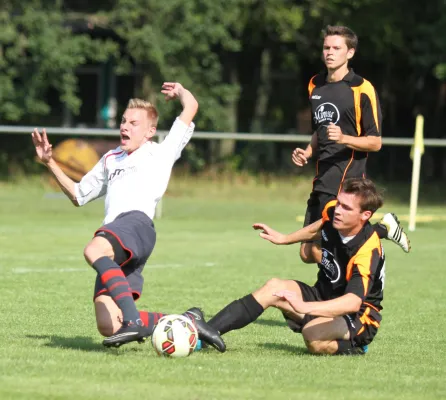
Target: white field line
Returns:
[27, 270]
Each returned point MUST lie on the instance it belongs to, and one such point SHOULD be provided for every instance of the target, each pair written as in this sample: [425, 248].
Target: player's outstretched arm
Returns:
[173, 90]
[44, 152]
[310, 232]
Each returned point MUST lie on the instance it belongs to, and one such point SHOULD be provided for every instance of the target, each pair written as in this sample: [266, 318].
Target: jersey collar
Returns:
[349, 76]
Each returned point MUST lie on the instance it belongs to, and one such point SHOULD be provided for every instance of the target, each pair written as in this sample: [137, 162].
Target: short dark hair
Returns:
[371, 198]
[350, 37]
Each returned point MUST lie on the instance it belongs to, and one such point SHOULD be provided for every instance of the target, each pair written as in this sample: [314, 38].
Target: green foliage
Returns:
[178, 41]
[37, 52]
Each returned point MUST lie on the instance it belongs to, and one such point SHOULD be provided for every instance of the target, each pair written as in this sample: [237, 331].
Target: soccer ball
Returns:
[174, 336]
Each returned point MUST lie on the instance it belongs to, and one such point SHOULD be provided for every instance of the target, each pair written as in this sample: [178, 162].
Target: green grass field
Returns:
[206, 255]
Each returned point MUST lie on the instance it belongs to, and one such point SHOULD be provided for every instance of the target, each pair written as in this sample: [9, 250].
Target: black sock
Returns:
[237, 315]
[117, 286]
[346, 348]
[381, 230]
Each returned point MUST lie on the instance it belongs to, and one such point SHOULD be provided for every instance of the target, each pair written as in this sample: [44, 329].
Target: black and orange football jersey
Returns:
[353, 105]
[357, 266]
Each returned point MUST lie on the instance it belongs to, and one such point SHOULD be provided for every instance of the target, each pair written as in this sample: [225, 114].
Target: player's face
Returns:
[135, 129]
[348, 216]
[335, 52]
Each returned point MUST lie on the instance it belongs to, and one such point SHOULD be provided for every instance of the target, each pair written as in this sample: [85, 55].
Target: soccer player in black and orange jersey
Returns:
[347, 125]
[340, 313]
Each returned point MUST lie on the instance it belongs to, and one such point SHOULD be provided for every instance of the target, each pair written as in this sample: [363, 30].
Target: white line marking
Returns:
[28, 270]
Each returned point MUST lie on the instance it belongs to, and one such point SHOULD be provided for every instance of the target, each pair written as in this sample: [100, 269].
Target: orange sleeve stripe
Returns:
[311, 86]
[363, 260]
[325, 217]
[358, 111]
[368, 89]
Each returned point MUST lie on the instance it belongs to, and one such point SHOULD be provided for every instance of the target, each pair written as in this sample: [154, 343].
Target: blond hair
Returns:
[152, 113]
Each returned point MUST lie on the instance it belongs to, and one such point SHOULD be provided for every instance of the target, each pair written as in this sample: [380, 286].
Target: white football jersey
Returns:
[135, 181]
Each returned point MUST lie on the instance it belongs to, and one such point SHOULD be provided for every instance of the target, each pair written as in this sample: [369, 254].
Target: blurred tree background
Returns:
[248, 62]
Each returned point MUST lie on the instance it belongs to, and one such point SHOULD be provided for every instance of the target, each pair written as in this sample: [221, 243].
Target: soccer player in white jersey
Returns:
[133, 178]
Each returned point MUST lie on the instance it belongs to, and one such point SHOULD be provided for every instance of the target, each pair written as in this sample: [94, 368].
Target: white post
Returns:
[159, 206]
[416, 153]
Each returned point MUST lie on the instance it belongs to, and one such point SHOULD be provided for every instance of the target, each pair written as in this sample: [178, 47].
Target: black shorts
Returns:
[362, 326]
[132, 236]
[315, 205]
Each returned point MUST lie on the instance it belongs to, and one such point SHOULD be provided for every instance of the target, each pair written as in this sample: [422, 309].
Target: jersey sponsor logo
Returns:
[120, 173]
[316, 97]
[326, 113]
[324, 236]
[330, 266]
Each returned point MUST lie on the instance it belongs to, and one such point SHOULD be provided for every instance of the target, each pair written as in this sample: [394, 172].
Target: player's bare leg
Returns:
[99, 254]
[108, 315]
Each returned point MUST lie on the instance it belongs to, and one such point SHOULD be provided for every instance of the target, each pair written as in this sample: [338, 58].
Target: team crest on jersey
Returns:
[330, 266]
[119, 173]
[326, 113]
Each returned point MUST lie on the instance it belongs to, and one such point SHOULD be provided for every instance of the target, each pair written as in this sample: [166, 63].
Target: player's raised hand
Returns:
[334, 133]
[293, 299]
[269, 233]
[44, 149]
[300, 157]
[171, 90]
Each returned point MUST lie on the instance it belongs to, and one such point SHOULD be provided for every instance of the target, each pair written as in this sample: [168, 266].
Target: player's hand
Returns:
[270, 234]
[293, 299]
[334, 133]
[44, 149]
[300, 157]
[171, 90]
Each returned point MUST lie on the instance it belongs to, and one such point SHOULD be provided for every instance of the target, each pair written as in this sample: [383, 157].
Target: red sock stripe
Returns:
[116, 284]
[125, 294]
[111, 273]
[144, 315]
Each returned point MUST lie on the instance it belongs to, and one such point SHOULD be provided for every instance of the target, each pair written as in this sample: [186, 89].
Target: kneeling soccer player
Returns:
[340, 314]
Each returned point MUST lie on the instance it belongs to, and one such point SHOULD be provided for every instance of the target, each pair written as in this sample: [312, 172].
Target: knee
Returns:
[317, 347]
[89, 251]
[265, 295]
[97, 248]
[273, 285]
[315, 344]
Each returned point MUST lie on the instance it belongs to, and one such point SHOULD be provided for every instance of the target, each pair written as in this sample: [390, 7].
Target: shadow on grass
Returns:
[270, 322]
[82, 343]
[285, 348]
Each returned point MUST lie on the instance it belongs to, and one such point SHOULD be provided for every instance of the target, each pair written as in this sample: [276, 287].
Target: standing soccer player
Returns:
[347, 125]
[133, 178]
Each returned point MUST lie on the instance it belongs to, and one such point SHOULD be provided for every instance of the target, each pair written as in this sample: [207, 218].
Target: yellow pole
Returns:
[415, 154]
